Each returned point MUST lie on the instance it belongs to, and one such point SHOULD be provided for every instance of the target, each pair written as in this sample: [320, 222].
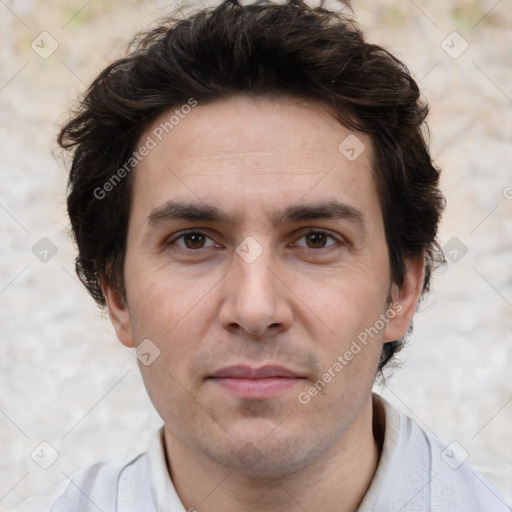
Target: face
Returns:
[256, 258]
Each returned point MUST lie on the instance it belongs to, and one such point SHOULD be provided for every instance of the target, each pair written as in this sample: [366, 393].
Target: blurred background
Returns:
[65, 379]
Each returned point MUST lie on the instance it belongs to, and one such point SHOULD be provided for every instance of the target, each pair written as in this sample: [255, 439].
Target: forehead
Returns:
[250, 155]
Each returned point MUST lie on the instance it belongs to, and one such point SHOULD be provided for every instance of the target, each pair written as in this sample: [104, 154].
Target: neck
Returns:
[336, 481]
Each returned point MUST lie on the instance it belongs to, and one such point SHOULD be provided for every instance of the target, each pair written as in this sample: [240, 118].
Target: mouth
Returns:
[255, 383]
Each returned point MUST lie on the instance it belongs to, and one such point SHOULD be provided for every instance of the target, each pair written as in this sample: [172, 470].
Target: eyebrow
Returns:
[178, 210]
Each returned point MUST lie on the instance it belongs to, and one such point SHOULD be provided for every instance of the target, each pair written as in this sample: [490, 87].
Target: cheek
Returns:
[172, 395]
[162, 300]
[175, 315]
[346, 332]
[345, 298]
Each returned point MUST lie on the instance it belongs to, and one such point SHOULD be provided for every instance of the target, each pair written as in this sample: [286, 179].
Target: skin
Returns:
[300, 304]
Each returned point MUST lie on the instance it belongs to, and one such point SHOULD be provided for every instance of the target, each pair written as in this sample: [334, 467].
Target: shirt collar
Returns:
[389, 419]
[164, 494]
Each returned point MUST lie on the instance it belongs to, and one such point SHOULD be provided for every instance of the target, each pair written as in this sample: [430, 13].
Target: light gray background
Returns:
[66, 380]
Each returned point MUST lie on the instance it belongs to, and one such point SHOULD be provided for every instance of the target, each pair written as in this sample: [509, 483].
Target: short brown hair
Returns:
[263, 49]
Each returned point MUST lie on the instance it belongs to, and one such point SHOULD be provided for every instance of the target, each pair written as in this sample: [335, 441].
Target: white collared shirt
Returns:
[417, 472]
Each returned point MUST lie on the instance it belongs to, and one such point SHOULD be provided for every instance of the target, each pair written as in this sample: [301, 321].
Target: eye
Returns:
[192, 240]
[317, 239]
[195, 240]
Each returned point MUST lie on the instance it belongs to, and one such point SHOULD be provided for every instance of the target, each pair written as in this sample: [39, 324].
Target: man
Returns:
[254, 202]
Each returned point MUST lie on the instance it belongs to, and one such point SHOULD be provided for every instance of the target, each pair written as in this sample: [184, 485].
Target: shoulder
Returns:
[456, 481]
[95, 487]
[433, 474]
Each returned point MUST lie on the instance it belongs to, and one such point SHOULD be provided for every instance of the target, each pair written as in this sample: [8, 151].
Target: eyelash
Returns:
[310, 232]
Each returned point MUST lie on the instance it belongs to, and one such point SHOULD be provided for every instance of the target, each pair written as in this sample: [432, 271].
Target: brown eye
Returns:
[317, 240]
[193, 240]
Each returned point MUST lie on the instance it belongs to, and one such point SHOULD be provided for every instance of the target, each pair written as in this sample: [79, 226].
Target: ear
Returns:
[405, 299]
[119, 314]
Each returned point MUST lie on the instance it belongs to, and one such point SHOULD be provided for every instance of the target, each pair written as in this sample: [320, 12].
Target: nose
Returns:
[256, 298]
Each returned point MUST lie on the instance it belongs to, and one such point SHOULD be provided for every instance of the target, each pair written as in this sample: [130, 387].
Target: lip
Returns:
[255, 383]
[246, 372]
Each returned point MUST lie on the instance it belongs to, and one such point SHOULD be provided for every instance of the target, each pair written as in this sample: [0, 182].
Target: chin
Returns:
[263, 453]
